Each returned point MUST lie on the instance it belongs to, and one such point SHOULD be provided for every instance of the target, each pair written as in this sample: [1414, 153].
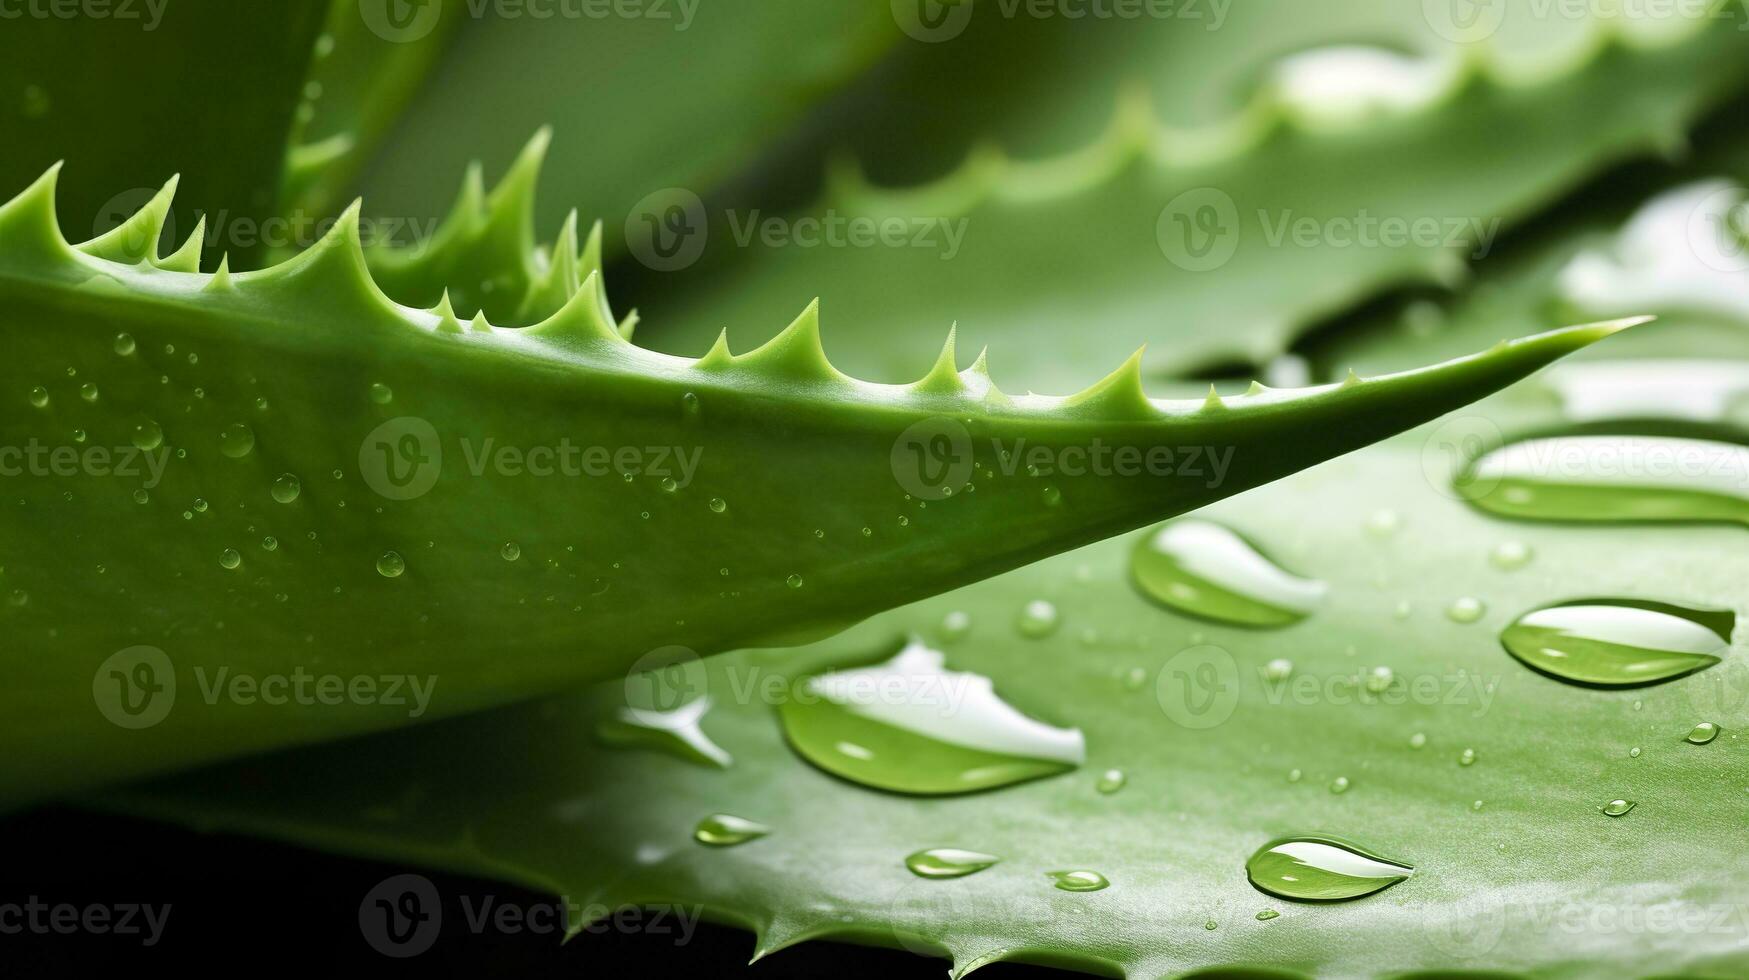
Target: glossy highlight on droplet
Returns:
[1612, 478]
[1618, 642]
[727, 830]
[1078, 881]
[1702, 733]
[1321, 869]
[948, 862]
[910, 725]
[678, 732]
[1206, 570]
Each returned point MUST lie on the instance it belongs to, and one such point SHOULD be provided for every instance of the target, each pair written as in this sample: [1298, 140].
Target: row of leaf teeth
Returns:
[332, 281]
[1136, 132]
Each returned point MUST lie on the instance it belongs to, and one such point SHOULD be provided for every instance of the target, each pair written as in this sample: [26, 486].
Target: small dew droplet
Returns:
[794, 581]
[390, 565]
[1111, 780]
[1616, 808]
[1703, 733]
[286, 488]
[1339, 785]
[510, 551]
[1038, 619]
[955, 625]
[1467, 757]
[229, 558]
[1510, 555]
[382, 394]
[1078, 881]
[1467, 609]
[148, 435]
[39, 396]
[718, 505]
[727, 830]
[237, 440]
[948, 862]
[124, 344]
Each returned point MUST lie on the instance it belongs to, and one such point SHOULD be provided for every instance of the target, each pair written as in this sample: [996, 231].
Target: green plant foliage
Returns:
[292, 462]
[1182, 226]
[363, 74]
[1515, 866]
[686, 96]
[119, 94]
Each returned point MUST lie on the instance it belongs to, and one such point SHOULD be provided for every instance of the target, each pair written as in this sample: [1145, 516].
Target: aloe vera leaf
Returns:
[683, 94]
[404, 527]
[119, 92]
[1541, 278]
[1084, 235]
[1536, 881]
[483, 256]
[368, 63]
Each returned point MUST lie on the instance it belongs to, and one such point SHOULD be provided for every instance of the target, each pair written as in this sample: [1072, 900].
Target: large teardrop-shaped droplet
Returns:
[1321, 869]
[1206, 570]
[910, 725]
[1618, 642]
[1612, 478]
[727, 830]
[948, 862]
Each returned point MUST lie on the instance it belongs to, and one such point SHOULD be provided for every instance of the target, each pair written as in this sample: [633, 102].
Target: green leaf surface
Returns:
[368, 63]
[1515, 866]
[258, 471]
[206, 88]
[642, 96]
[1106, 212]
[1679, 269]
